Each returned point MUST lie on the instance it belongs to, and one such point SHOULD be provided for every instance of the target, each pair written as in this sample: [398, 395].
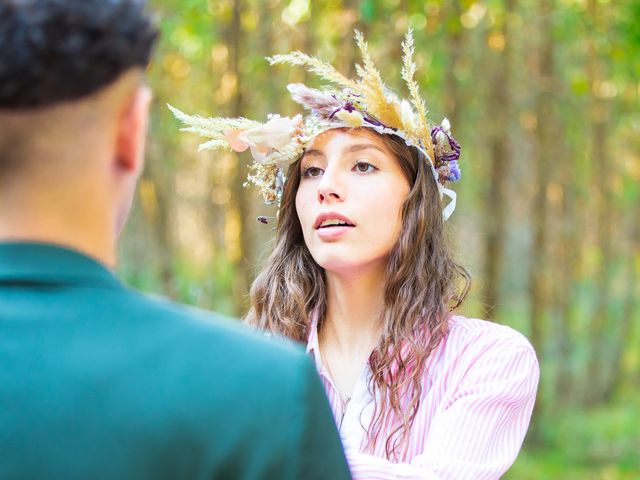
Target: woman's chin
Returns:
[333, 263]
[339, 265]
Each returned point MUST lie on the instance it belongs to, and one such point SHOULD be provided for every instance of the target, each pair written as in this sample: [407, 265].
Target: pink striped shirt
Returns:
[478, 393]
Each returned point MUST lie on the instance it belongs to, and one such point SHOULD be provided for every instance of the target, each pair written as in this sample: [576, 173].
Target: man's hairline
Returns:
[137, 80]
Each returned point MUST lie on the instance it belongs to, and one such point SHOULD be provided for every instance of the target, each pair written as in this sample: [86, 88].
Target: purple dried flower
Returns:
[447, 154]
[347, 107]
[454, 172]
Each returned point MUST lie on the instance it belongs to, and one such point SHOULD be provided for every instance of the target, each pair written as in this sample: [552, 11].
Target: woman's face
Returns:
[350, 199]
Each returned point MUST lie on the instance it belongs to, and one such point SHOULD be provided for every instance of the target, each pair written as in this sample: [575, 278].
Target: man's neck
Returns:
[54, 219]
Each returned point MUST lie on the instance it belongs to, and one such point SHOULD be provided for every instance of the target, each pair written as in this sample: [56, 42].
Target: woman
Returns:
[362, 274]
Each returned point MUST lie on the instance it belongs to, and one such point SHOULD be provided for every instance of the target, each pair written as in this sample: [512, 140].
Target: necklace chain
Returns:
[344, 402]
[326, 365]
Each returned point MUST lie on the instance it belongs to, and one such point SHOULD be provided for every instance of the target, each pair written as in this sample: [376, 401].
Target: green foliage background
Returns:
[543, 96]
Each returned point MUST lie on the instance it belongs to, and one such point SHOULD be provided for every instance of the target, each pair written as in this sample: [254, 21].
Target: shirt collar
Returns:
[43, 263]
[313, 347]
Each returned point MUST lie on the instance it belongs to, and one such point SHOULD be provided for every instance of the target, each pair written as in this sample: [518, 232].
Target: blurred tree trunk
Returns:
[498, 110]
[347, 49]
[309, 39]
[555, 219]
[392, 50]
[157, 188]
[266, 31]
[623, 338]
[239, 211]
[565, 236]
[568, 263]
[544, 151]
[602, 163]
[269, 100]
[454, 42]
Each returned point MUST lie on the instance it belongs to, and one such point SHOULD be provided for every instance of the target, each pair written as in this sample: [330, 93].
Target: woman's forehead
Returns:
[343, 138]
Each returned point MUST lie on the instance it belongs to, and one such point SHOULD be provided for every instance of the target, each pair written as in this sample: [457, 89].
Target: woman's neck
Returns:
[353, 320]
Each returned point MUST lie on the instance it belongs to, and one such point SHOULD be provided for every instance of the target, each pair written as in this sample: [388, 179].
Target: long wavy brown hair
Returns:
[423, 286]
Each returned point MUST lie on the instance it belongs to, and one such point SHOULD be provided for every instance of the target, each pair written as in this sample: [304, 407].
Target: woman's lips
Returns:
[333, 232]
[331, 217]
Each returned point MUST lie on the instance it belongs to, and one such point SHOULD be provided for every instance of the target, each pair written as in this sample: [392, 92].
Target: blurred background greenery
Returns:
[542, 94]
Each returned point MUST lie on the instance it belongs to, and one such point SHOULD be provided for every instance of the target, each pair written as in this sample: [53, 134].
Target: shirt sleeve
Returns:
[480, 432]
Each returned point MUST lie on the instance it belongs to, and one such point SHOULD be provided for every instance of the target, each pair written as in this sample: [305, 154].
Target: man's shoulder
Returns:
[223, 373]
[259, 394]
[210, 336]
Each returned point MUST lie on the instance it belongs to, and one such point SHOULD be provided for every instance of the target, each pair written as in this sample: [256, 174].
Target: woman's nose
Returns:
[331, 187]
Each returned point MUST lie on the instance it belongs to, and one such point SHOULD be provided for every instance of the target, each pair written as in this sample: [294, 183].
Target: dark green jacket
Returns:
[100, 382]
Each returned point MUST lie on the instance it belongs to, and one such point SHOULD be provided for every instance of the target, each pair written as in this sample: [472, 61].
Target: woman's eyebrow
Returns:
[363, 146]
[358, 147]
[313, 152]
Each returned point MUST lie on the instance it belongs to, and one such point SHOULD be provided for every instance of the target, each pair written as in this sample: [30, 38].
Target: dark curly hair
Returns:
[57, 50]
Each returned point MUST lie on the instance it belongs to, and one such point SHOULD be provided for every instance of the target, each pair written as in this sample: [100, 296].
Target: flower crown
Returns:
[364, 102]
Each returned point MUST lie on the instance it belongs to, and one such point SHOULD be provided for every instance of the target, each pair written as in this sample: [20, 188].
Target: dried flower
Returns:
[352, 119]
[362, 102]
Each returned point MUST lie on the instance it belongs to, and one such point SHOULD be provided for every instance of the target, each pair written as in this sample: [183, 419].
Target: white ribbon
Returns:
[451, 206]
[444, 192]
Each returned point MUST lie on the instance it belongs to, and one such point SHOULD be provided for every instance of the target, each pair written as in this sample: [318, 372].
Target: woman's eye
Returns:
[311, 172]
[364, 167]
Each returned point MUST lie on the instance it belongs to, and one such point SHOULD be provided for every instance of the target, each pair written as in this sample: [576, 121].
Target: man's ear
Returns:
[131, 131]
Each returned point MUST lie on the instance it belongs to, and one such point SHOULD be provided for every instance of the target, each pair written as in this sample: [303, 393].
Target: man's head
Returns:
[73, 108]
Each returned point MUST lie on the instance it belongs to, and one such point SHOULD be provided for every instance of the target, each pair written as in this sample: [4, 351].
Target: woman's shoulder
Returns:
[479, 335]
[486, 364]
[477, 352]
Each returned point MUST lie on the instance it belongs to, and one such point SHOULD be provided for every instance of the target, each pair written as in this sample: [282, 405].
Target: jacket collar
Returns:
[43, 263]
